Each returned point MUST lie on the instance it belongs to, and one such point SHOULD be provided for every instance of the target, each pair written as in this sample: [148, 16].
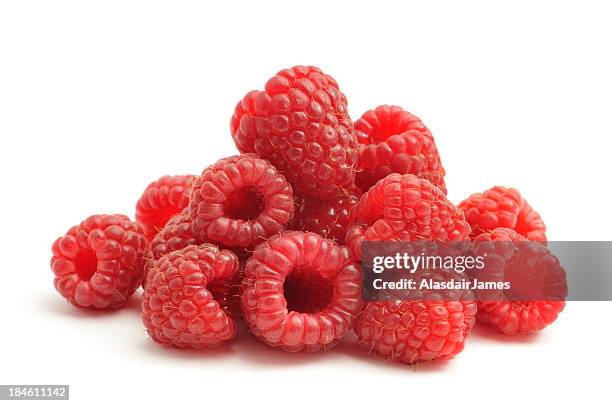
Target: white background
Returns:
[99, 98]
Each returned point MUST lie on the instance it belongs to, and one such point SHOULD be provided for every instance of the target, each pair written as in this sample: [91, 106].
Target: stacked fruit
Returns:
[272, 236]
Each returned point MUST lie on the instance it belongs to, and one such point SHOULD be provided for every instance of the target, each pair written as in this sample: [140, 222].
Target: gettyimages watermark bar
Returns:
[492, 270]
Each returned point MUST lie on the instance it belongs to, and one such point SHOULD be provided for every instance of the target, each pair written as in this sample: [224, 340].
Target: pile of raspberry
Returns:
[271, 237]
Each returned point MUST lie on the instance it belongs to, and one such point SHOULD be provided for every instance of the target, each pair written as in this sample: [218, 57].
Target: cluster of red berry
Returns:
[272, 236]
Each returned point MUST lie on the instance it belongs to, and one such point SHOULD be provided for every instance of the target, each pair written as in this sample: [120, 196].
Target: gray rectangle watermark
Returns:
[492, 270]
[34, 392]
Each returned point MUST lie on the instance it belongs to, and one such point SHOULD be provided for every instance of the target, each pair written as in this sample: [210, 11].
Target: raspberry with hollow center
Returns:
[391, 140]
[502, 207]
[161, 200]
[98, 263]
[301, 292]
[301, 125]
[405, 208]
[530, 268]
[181, 307]
[240, 201]
[330, 218]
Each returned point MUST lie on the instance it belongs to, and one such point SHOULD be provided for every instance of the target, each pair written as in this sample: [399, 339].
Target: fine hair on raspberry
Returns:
[180, 307]
[240, 201]
[301, 292]
[98, 263]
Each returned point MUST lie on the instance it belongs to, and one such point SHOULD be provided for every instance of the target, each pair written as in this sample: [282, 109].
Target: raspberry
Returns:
[98, 263]
[532, 265]
[530, 224]
[161, 200]
[301, 292]
[330, 218]
[423, 329]
[240, 201]
[179, 306]
[177, 234]
[392, 140]
[301, 124]
[405, 208]
[502, 207]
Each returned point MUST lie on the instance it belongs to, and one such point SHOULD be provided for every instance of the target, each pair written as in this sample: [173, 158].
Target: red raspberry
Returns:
[176, 235]
[98, 263]
[240, 201]
[301, 292]
[161, 200]
[392, 140]
[179, 306]
[405, 208]
[417, 330]
[330, 218]
[502, 207]
[536, 267]
[301, 124]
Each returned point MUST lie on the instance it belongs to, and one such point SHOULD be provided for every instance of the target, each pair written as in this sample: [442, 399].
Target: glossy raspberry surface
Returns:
[161, 200]
[330, 218]
[301, 292]
[506, 314]
[300, 123]
[411, 331]
[98, 263]
[502, 207]
[240, 201]
[405, 208]
[181, 307]
[391, 140]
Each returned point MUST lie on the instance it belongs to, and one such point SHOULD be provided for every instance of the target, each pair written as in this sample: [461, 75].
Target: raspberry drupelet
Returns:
[301, 292]
[391, 140]
[240, 201]
[181, 307]
[161, 200]
[301, 125]
[98, 264]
